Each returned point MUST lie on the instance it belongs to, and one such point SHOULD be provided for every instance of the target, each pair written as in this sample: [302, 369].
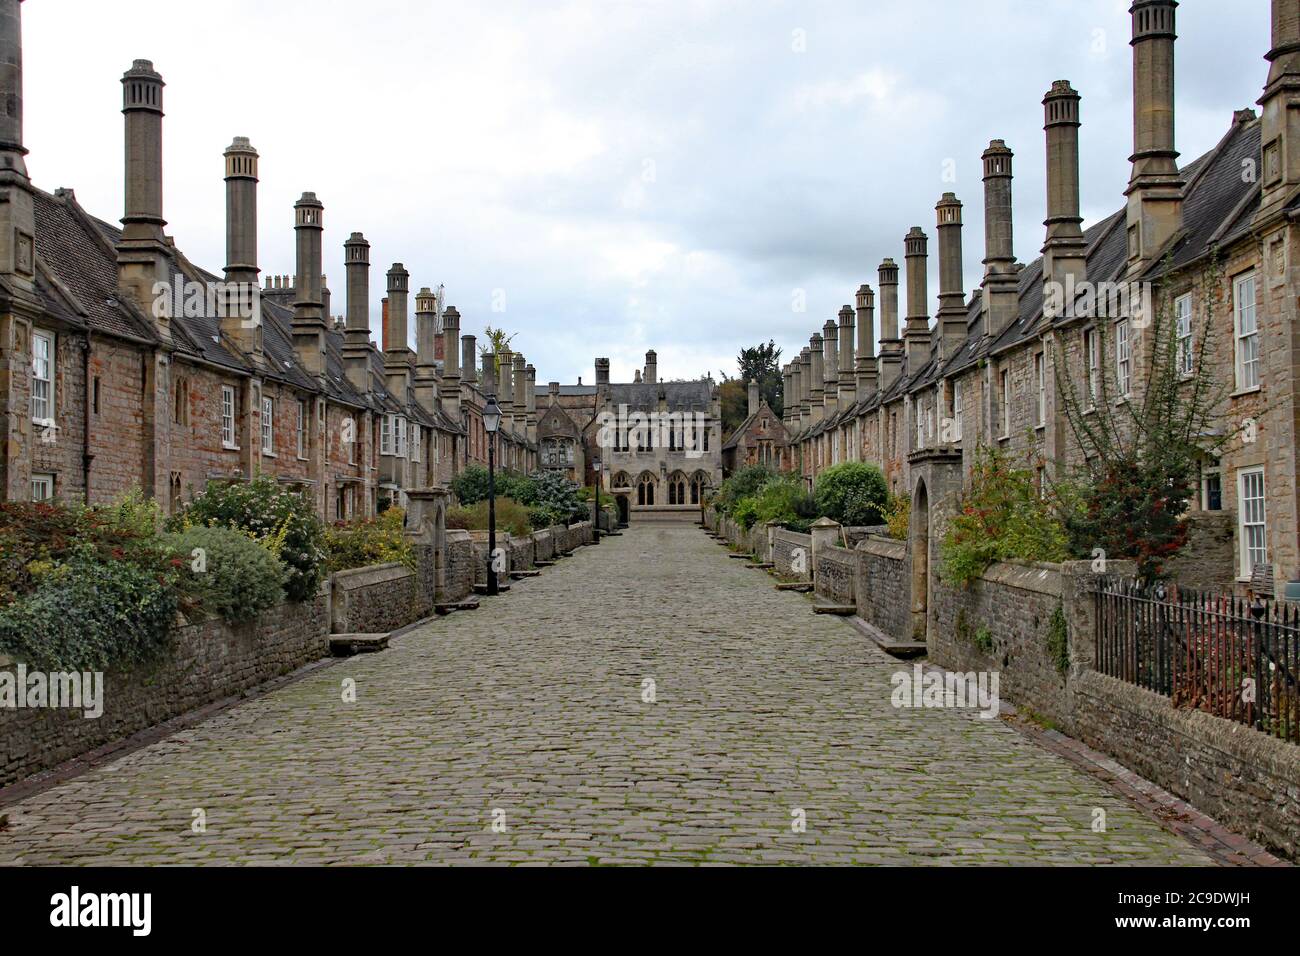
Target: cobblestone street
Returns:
[761, 709]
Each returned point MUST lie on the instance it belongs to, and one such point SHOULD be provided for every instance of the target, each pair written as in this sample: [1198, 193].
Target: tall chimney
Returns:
[753, 397]
[830, 368]
[468, 359]
[241, 317]
[891, 346]
[449, 389]
[848, 391]
[651, 367]
[530, 401]
[917, 336]
[865, 361]
[489, 376]
[518, 379]
[816, 378]
[17, 213]
[140, 253]
[356, 335]
[602, 381]
[308, 313]
[1280, 128]
[506, 386]
[952, 297]
[1065, 261]
[397, 338]
[1000, 301]
[787, 380]
[1155, 191]
[426, 368]
[805, 387]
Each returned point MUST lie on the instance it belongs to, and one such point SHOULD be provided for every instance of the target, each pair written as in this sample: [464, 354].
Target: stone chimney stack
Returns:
[651, 368]
[830, 368]
[916, 338]
[308, 312]
[141, 250]
[426, 367]
[356, 335]
[1065, 261]
[787, 379]
[468, 359]
[602, 372]
[754, 399]
[952, 297]
[848, 390]
[489, 376]
[506, 386]
[1281, 105]
[816, 378]
[518, 379]
[1000, 302]
[1155, 191]
[865, 361]
[530, 401]
[17, 213]
[891, 345]
[241, 212]
[397, 332]
[805, 387]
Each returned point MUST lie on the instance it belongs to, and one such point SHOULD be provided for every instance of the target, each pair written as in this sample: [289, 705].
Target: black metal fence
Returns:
[1233, 657]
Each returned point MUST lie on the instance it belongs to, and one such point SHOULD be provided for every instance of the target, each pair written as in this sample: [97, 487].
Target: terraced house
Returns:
[1211, 243]
[123, 364]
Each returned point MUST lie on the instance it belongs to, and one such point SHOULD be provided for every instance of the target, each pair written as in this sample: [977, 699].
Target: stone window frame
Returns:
[304, 424]
[1183, 326]
[1123, 358]
[228, 414]
[1040, 384]
[43, 479]
[1004, 412]
[1239, 337]
[50, 361]
[1244, 548]
[1092, 360]
[268, 426]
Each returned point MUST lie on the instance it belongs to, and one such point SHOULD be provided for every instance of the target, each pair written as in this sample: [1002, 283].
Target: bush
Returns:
[282, 521]
[853, 493]
[1002, 516]
[743, 484]
[87, 615]
[232, 576]
[511, 516]
[556, 494]
[471, 485]
[898, 516]
[365, 541]
[745, 513]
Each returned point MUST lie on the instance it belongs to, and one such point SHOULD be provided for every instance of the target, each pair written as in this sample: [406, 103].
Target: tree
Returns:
[1142, 451]
[762, 364]
[735, 405]
[498, 341]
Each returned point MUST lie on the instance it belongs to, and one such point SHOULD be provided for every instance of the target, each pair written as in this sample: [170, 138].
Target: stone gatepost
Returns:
[769, 555]
[426, 527]
[825, 534]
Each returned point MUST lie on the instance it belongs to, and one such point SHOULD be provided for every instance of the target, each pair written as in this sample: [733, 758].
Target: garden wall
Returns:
[882, 592]
[208, 662]
[786, 545]
[378, 598]
[836, 574]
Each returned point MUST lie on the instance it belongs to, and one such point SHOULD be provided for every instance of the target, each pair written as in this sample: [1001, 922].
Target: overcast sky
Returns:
[617, 176]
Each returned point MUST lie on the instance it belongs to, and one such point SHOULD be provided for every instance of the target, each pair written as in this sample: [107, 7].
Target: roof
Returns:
[680, 396]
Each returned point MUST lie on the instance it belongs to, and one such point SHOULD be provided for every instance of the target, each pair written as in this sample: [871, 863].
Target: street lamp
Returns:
[491, 422]
[595, 463]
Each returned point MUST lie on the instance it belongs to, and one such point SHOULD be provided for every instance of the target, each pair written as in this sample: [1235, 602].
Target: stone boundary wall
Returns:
[883, 593]
[207, 662]
[377, 598]
[784, 545]
[836, 574]
[458, 579]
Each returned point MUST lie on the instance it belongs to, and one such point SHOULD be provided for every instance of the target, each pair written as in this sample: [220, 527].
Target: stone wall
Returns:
[785, 546]
[882, 592]
[836, 574]
[207, 662]
[1209, 559]
[377, 599]
[459, 577]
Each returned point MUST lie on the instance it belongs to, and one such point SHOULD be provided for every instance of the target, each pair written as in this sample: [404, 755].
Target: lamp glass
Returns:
[491, 415]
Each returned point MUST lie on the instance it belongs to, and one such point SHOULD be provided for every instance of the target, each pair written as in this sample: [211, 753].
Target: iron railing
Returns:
[1233, 657]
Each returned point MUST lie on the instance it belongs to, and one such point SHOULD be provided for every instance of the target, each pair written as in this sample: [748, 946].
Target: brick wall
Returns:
[207, 662]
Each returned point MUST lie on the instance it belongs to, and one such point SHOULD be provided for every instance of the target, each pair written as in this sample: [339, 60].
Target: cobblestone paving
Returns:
[533, 707]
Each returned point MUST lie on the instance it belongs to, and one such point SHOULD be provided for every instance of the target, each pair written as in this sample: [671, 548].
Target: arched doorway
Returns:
[623, 510]
[920, 548]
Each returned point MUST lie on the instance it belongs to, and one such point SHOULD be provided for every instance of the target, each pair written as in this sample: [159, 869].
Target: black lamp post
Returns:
[491, 422]
[596, 515]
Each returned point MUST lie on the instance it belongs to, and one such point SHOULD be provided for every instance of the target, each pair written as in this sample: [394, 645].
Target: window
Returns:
[1183, 315]
[42, 487]
[1254, 536]
[645, 491]
[268, 426]
[918, 416]
[42, 377]
[416, 440]
[1092, 352]
[399, 437]
[386, 436]
[1123, 359]
[1247, 329]
[350, 438]
[227, 417]
[303, 419]
[181, 402]
[1040, 376]
[1006, 403]
[1211, 487]
[957, 410]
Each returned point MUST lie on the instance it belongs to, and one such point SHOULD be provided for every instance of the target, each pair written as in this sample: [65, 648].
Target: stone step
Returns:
[449, 606]
[516, 575]
[346, 645]
[544, 564]
[829, 607]
[801, 586]
[742, 557]
[483, 589]
[761, 565]
[886, 643]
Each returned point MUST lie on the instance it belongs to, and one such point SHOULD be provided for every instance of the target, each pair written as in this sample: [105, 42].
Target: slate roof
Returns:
[680, 396]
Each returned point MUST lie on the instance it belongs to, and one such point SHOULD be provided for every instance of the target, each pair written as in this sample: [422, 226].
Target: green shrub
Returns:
[227, 574]
[1002, 516]
[511, 516]
[745, 513]
[471, 485]
[556, 496]
[87, 615]
[853, 493]
[366, 541]
[898, 516]
[743, 484]
[282, 521]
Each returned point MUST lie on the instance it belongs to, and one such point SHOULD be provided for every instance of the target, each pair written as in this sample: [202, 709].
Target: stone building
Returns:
[123, 364]
[659, 443]
[761, 439]
[1208, 243]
